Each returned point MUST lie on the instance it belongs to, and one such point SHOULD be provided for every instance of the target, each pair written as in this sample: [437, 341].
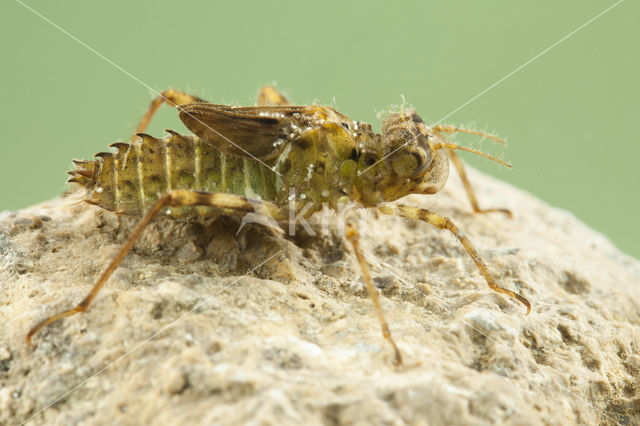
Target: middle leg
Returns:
[353, 236]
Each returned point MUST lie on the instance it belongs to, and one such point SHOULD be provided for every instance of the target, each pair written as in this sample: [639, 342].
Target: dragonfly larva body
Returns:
[280, 160]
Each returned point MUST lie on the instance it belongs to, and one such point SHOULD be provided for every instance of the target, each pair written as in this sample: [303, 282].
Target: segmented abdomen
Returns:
[132, 178]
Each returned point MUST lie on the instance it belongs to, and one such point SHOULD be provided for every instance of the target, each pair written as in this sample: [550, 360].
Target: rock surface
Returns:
[181, 334]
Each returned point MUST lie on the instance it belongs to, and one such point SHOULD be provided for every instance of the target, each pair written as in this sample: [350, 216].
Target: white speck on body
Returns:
[309, 172]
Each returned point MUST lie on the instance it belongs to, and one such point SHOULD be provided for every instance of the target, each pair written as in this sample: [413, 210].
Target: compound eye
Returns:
[424, 160]
[410, 161]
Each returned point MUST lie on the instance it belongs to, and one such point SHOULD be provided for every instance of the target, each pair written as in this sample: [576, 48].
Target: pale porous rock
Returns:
[179, 335]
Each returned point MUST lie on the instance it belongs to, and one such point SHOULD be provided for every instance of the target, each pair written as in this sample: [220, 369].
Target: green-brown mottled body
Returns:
[131, 179]
[319, 159]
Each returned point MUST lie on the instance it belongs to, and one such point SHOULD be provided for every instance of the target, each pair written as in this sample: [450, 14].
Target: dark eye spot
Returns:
[345, 125]
[369, 158]
[303, 143]
[354, 154]
[416, 118]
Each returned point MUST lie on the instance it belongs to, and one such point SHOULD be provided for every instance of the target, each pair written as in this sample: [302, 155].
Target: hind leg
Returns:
[229, 203]
[173, 98]
[268, 95]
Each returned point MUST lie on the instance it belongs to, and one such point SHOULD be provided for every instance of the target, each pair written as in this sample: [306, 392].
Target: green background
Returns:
[570, 116]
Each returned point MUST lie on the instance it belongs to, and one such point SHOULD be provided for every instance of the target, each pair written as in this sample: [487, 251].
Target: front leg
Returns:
[457, 162]
[445, 223]
[439, 130]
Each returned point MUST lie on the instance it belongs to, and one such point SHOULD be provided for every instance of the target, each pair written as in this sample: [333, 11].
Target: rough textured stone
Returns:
[180, 334]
